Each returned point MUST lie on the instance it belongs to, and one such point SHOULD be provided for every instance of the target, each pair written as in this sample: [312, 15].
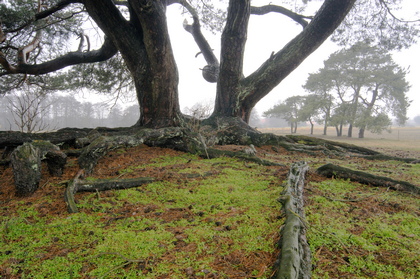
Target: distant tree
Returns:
[29, 110]
[366, 83]
[340, 117]
[131, 115]
[312, 108]
[5, 114]
[115, 117]
[322, 100]
[289, 110]
[254, 119]
[417, 119]
[66, 111]
[87, 115]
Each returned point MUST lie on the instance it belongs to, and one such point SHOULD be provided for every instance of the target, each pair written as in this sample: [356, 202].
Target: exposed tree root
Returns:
[79, 185]
[295, 255]
[215, 153]
[223, 130]
[383, 157]
[330, 170]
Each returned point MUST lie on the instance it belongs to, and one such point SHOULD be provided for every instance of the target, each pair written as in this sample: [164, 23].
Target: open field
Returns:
[401, 141]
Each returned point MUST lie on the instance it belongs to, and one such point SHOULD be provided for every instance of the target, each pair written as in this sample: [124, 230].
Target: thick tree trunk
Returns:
[159, 99]
[144, 44]
[231, 63]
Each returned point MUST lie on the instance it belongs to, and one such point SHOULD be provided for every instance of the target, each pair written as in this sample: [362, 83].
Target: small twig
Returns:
[127, 261]
[356, 200]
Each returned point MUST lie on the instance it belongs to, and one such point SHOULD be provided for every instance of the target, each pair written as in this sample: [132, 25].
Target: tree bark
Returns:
[330, 170]
[237, 96]
[231, 62]
[295, 255]
[144, 44]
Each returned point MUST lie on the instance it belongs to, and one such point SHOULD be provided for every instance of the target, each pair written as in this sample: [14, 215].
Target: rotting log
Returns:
[331, 170]
[295, 255]
[80, 185]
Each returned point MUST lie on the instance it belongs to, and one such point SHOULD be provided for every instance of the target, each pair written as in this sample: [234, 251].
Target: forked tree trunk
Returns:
[236, 95]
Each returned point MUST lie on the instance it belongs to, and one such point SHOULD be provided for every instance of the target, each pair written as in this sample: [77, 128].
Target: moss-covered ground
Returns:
[202, 218]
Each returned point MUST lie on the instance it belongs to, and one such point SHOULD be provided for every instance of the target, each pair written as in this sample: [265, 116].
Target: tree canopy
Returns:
[361, 86]
[46, 44]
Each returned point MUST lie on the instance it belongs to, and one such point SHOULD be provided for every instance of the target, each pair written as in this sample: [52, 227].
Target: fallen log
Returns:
[331, 170]
[295, 255]
[80, 185]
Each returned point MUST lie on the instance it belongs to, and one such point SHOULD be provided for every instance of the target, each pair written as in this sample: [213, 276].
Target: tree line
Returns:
[30, 112]
[358, 87]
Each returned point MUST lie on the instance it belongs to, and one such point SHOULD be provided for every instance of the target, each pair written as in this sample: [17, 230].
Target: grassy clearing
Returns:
[168, 229]
[215, 218]
[371, 232]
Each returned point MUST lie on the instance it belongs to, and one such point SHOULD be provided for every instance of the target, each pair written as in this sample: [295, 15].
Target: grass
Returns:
[161, 229]
[223, 222]
[369, 230]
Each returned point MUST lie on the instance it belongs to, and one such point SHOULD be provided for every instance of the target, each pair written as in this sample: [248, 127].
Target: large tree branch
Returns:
[282, 63]
[124, 34]
[73, 58]
[277, 9]
[211, 71]
[43, 14]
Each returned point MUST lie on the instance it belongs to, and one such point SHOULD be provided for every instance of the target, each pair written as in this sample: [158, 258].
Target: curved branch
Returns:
[43, 14]
[383, 3]
[57, 7]
[73, 58]
[277, 9]
[281, 64]
[23, 52]
[211, 71]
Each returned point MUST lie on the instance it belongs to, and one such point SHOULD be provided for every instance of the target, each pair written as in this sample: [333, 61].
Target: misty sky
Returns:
[266, 34]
